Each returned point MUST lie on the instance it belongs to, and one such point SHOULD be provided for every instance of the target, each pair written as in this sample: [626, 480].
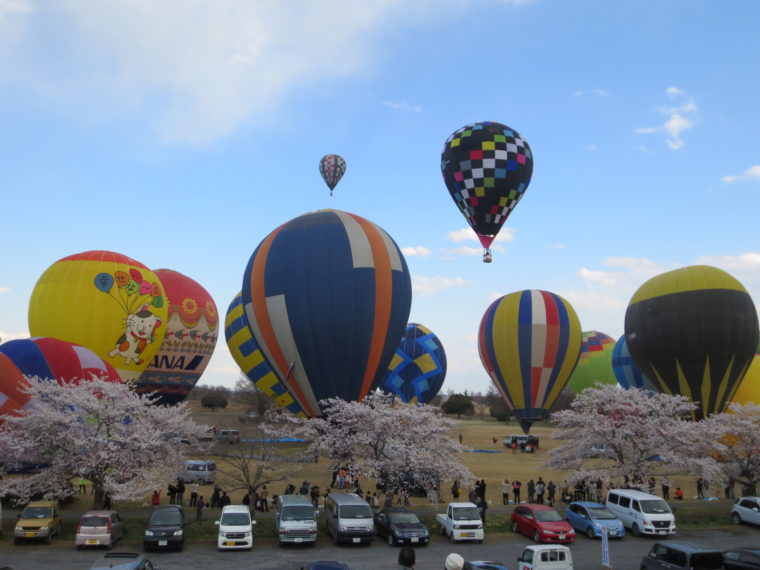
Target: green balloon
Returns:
[132, 287]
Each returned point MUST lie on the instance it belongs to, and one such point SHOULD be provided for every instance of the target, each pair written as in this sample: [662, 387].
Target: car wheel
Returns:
[635, 530]
[736, 518]
[391, 542]
[590, 532]
[49, 537]
[16, 540]
[514, 527]
[452, 537]
[181, 546]
[536, 537]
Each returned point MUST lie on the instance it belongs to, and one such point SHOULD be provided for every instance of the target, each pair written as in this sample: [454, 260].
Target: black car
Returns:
[741, 558]
[400, 526]
[165, 529]
[682, 555]
[123, 561]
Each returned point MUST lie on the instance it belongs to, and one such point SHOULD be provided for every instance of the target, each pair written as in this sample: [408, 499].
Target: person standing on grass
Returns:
[200, 505]
[505, 492]
[516, 490]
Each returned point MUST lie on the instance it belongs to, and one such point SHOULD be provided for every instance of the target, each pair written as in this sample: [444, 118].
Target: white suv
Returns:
[746, 510]
[235, 528]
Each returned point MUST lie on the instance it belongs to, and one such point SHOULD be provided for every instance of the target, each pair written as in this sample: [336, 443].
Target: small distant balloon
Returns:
[627, 373]
[595, 362]
[332, 167]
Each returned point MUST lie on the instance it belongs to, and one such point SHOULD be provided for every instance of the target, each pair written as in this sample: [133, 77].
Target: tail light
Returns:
[109, 526]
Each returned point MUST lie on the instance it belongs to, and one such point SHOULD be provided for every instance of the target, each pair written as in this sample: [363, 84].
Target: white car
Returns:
[746, 510]
[235, 528]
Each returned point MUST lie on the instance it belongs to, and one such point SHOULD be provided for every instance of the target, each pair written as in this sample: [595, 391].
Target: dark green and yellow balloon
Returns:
[529, 343]
[418, 368]
[595, 362]
[693, 332]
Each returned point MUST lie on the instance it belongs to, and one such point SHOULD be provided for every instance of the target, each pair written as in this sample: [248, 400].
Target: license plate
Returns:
[162, 543]
[299, 539]
[415, 539]
[613, 533]
[660, 532]
[357, 539]
[562, 536]
[468, 534]
[30, 534]
[229, 543]
[92, 541]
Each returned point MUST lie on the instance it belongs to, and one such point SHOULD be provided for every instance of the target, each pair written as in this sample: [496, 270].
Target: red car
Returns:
[542, 523]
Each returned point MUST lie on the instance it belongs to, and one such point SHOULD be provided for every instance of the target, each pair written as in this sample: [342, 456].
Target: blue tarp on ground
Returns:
[279, 440]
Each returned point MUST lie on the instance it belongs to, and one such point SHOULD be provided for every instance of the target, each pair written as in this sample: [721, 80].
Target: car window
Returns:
[613, 498]
[706, 560]
[235, 519]
[635, 505]
[401, 518]
[655, 507]
[625, 502]
[466, 514]
[355, 512]
[600, 513]
[731, 555]
[166, 518]
[553, 556]
[94, 521]
[548, 516]
[37, 513]
[527, 556]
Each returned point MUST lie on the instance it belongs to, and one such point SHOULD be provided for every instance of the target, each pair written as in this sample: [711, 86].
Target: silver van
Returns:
[199, 471]
[296, 519]
[641, 512]
[349, 518]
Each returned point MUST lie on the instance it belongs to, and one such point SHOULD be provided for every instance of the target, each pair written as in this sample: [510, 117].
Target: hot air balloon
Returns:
[595, 362]
[250, 359]
[189, 341]
[105, 301]
[487, 168]
[529, 343]
[327, 296]
[627, 373]
[693, 332]
[47, 359]
[332, 167]
[418, 368]
[748, 391]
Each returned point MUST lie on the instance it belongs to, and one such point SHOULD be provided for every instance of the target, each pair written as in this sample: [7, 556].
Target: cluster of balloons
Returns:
[154, 330]
[325, 298]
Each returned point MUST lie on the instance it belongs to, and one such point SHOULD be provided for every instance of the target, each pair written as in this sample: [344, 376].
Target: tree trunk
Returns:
[99, 497]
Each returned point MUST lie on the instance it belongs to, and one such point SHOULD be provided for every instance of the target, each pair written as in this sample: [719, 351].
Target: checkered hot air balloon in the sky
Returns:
[487, 168]
[332, 167]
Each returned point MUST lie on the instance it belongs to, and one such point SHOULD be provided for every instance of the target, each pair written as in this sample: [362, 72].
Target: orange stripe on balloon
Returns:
[383, 301]
[264, 322]
[11, 383]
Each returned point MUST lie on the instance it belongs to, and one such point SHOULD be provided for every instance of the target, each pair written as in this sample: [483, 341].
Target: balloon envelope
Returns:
[418, 368]
[248, 356]
[627, 373]
[693, 332]
[529, 343]
[106, 301]
[327, 296]
[595, 362]
[47, 359]
[487, 168]
[189, 341]
[748, 391]
[332, 167]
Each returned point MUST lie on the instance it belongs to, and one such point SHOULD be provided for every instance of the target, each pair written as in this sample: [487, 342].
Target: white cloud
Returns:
[590, 147]
[745, 267]
[603, 277]
[597, 92]
[556, 246]
[5, 336]
[416, 251]
[751, 174]
[506, 234]
[677, 121]
[427, 286]
[4, 290]
[463, 250]
[9, 8]
[402, 106]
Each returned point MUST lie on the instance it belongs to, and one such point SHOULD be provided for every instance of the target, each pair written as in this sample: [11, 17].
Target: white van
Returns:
[199, 471]
[296, 519]
[235, 528]
[545, 557]
[641, 512]
[349, 518]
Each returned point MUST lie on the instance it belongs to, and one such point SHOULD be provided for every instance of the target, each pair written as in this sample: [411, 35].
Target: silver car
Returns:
[99, 528]
[746, 510]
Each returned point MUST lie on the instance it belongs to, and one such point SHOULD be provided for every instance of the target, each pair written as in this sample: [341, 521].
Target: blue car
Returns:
[590, 518]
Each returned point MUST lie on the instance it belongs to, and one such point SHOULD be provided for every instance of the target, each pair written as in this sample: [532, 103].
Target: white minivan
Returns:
[235, 528]
[641, 512]
[545, 557]
[349, 518]
[296, 520]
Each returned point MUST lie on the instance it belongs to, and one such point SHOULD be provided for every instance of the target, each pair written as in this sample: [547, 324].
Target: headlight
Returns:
[19, 529]
[178, 532]
[148, 533]
[342, 529]
[480, 526]
[456, 526]
[43, 528]
[247, 534]
[647, 523]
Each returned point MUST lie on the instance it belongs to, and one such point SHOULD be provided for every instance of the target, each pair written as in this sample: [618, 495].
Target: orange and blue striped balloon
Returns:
[529, 343]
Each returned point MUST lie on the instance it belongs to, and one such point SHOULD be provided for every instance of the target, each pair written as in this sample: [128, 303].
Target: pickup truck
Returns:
[461, 521]
[545, 557]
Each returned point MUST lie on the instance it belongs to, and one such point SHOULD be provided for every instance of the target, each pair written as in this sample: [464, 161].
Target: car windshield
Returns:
[356, 512]
[194, 467]
[94, 521]
[403, 518]
[235, 519]
[38, 513]
[600, 513]
[548, 516]
[466, 514]
[166, 518]
[298, 513]
[655, 507]
[706, 561]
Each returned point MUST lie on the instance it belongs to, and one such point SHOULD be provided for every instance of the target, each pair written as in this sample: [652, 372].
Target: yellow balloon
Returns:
[748, 391]
[106, 301]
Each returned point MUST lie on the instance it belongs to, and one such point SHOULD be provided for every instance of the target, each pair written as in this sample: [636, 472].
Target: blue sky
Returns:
[181, 133]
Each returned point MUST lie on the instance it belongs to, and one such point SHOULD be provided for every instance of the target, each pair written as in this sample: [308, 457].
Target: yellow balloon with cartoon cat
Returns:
[106, 301]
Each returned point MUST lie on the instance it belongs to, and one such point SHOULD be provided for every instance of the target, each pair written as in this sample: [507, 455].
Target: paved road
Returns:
[625, 554]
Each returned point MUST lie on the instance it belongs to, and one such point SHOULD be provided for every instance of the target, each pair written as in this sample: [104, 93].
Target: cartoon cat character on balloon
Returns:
[138, 334]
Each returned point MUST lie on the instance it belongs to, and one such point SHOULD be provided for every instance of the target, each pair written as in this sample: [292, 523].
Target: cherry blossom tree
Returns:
[395, 443]
[101, 431]
[627, 435]
[732, 439]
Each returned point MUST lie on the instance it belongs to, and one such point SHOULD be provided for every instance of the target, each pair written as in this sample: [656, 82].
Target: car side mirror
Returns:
[253, 523]
[316, 513]
[216, 523]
